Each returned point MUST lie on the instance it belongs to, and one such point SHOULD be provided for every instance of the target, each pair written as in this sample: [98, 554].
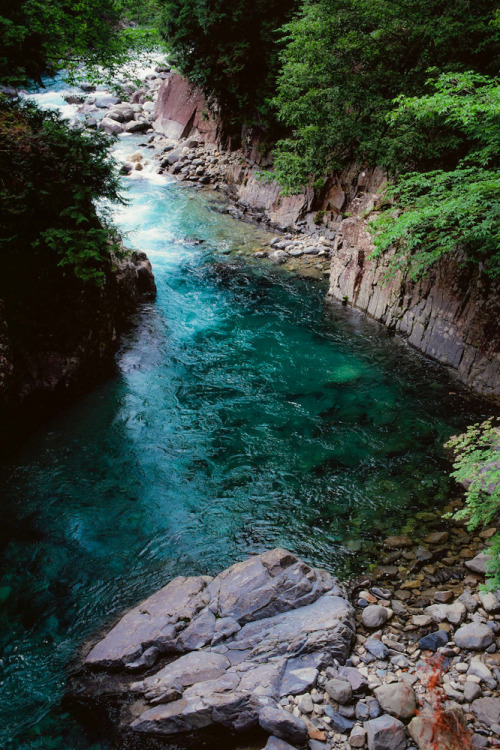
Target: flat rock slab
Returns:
[223, 651]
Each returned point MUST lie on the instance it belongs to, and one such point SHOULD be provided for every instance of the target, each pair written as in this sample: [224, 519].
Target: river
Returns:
[245, 413]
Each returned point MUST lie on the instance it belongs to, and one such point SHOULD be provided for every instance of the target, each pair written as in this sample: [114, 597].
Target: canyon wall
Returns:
[58, 336]
[452, 315]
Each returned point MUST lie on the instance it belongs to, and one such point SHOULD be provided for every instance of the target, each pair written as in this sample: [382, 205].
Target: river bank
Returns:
[450, 315]
[223, 662]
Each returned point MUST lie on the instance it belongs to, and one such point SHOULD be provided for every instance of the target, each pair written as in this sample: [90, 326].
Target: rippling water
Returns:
[245, 413]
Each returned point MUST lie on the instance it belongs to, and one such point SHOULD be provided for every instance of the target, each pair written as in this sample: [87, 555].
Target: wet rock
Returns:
[397, 699]
[437, 537]
[105, 102]
[385, 733]
[474, 636]
[283, 725]
[374, 616]
[110, 126]
[398, 542]
[278, 257]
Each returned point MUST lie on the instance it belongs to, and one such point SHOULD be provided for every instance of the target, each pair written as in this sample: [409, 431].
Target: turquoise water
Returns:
[245, 413]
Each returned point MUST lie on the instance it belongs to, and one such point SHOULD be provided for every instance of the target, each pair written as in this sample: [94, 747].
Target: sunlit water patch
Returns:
[245, 413]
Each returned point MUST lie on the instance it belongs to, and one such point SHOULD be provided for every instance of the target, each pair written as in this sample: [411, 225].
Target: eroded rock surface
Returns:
[221, 651]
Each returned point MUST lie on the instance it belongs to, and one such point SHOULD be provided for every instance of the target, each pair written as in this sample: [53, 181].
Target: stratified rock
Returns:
[237, 643]
[474, 636]
[385, 733]
[397, 699]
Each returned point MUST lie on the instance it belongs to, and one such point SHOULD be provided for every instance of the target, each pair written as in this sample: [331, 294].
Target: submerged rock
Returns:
[221, 651]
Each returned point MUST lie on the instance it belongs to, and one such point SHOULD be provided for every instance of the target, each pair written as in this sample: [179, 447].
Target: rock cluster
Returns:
[225, 651]
[267, 645]
[130, 112]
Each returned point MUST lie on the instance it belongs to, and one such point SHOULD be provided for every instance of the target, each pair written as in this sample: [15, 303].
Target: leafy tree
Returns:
[344, 63]
[444, 210]
[477, 465]
[42, 36]
[228, 49]
[50, 178]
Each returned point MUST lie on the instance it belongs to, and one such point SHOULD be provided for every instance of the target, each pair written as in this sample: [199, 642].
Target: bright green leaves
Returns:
[50, 178]
[344, 63]
[441, 211]
[477, 465]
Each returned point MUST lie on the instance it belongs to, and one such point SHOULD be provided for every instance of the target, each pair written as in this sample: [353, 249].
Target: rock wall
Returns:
[181, 111]
[451, 315]
[58, 336]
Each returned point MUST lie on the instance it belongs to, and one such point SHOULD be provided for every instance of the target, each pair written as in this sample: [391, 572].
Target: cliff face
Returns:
[58, 338]
[181, 111]
[451, 316]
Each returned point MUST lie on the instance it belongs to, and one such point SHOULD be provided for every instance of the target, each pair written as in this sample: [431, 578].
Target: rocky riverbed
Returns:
[406, 658]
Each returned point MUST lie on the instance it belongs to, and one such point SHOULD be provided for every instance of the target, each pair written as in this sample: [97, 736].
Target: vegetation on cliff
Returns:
[231, 51]
[477, 466]
[50, 176]
[367, 83]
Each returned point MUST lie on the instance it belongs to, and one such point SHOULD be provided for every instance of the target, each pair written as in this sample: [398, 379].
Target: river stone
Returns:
[237, 643]
[357, 738]
[385, 733]
[474, 636]
[487, 710]
[489, 601]
[339, 690]
[478, 669]
[397, 699]
[110, 126]
[278, 257]
[283, 725]
[478, 563]
[274, 743]
[105, 102]
[425, 731]
[374, 616]
[471, 691]
[433, 641]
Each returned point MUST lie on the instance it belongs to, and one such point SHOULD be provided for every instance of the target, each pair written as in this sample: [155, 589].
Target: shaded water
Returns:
[245, 413]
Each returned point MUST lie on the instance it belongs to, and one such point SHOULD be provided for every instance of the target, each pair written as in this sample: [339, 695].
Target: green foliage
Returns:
[228, 49]
[344, 63]
[477, 463]
[50, 178]
[440, 211]
[43, 36]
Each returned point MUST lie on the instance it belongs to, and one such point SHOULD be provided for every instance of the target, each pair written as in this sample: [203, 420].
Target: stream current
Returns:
[245, 413]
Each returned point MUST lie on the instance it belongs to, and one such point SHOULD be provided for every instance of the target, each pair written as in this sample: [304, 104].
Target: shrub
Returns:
[477, 466]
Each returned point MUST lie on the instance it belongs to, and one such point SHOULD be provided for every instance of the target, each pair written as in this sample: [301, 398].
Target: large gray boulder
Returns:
[205, 652]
